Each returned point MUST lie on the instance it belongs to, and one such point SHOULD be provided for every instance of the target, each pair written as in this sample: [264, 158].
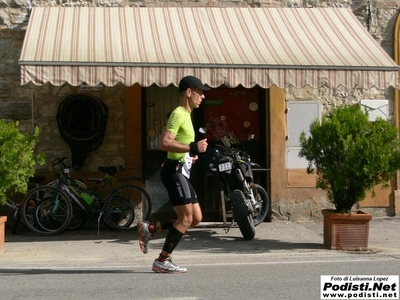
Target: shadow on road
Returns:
[209, 240]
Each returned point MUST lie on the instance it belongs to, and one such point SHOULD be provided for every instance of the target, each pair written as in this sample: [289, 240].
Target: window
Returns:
[300, 114]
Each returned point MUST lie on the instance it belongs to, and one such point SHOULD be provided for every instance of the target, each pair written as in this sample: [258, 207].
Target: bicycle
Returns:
[69, 203]
[17, 214]
[16, 206]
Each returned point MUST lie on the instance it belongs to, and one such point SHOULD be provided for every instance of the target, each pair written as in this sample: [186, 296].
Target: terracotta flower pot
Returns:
[3, 220]
[346, 231]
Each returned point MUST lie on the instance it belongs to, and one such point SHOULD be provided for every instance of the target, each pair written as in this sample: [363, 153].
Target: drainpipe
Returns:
[369, 15]
[396, 44]
[33, 113]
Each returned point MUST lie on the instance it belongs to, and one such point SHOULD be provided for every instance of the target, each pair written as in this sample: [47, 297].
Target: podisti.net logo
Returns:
[382, 287]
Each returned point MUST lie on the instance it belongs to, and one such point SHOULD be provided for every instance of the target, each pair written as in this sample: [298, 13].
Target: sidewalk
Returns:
[278, 238]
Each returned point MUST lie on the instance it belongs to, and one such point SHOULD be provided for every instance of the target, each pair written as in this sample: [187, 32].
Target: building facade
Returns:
[275, 111]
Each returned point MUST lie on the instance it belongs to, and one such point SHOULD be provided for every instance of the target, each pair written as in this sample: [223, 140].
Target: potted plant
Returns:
[17, 162]
[350, 156]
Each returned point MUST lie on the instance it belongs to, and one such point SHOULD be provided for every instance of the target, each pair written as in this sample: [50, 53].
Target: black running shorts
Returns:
[180, 190]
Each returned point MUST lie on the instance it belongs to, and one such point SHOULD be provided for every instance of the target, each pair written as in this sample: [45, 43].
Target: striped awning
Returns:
[231, 46]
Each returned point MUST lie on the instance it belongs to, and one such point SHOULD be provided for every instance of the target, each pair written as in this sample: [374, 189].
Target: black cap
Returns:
[191, 82]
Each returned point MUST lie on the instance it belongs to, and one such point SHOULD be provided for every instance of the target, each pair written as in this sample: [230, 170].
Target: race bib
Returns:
[187, 165]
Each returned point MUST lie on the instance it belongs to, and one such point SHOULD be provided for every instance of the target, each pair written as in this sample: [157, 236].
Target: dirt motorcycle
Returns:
[248, 201]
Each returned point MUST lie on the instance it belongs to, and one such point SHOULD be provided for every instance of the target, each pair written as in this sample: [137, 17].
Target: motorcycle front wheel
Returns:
[242, 217]
[263, 203]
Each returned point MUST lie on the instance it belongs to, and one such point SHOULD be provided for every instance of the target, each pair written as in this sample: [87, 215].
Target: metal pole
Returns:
[33, 114]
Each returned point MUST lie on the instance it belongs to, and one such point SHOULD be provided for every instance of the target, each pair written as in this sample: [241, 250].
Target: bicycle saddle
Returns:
[108, 170]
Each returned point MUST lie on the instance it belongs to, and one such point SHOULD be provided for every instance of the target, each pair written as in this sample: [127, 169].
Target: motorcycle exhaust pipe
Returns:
[239, 175]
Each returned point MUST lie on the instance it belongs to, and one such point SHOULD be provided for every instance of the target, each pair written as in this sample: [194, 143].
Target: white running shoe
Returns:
[167, 266]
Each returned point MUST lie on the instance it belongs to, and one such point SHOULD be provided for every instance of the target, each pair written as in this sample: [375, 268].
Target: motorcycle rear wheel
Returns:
[242, 217]
[263, 200]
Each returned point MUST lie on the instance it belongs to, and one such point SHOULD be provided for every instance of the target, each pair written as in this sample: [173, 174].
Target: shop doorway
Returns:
[238, 110]
[224, 110]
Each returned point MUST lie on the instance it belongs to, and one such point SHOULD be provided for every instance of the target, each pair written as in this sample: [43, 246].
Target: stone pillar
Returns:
[396, 203]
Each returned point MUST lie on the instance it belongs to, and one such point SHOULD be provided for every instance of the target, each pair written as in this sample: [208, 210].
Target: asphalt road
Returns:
[236, 277]
[284, 261]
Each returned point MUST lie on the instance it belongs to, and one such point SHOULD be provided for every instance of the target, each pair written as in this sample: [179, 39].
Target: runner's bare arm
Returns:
[168, 143]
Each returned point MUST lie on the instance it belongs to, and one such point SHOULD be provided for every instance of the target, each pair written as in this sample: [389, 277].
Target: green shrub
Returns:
[17, 158]
[350, 154]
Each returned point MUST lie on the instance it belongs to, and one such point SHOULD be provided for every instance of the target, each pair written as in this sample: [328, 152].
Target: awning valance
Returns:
[231, 46]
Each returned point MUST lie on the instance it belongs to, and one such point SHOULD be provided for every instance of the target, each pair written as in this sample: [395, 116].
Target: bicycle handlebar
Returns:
[60, 161]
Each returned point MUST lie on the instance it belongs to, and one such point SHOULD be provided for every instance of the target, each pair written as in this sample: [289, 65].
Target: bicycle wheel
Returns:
[126, 206]
[17, 214]
[78, 219]
[45, 211]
